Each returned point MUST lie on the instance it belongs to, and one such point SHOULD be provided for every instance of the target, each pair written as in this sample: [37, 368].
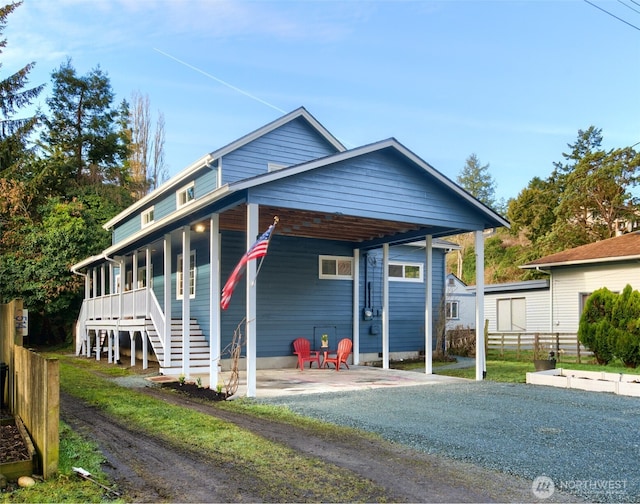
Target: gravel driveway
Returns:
[583, 443]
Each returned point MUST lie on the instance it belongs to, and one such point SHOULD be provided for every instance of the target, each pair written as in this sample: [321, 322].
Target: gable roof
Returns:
[619, 248]
[210, 158]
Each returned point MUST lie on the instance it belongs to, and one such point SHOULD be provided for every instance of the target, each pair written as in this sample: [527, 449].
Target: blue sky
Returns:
[511, 81]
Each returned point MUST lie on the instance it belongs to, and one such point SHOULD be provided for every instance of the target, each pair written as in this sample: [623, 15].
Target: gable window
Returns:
[147, 217]
[405, 272]
[336, 267]
[451, 310]
[512, 314]
[185, 195]
[192, 276]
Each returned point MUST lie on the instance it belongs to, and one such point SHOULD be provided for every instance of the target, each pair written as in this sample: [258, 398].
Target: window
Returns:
[583, 300]
[147, 217]
[451, 310]
[142, 277]
[185, 195]
[512, 314]
[405, 272]
[336, 268]
[192, 276]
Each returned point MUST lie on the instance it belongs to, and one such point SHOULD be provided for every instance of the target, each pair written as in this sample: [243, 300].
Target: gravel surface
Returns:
[583, 443]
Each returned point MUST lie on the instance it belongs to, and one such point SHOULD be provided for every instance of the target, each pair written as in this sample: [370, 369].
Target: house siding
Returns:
[378, 184]
[293, 143]
[568, 283]
[205, 181]
[537, 308]
[466, 305]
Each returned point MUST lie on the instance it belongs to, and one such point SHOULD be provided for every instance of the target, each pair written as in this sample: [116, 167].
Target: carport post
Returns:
[480, 357]
[428, 307]
[355, 308]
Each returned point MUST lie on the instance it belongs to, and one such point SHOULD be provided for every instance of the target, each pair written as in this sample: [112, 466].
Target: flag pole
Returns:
[276, 219]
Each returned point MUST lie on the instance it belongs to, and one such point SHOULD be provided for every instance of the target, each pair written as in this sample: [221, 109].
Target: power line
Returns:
[612, 15]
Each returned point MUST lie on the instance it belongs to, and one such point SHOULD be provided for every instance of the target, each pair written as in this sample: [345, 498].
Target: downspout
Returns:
[86, 342]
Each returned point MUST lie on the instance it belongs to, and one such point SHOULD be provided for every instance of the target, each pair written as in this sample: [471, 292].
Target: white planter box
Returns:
[595, 381]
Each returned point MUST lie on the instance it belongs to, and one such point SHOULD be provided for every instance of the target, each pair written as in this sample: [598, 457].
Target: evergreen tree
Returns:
[476, 179]
[14, 95]
[85, 135]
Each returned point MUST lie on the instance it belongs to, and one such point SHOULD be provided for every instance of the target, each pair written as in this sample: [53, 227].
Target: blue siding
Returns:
[406, 301]
[293, 143]
[292, 300]
[377, 185]
[126, 229]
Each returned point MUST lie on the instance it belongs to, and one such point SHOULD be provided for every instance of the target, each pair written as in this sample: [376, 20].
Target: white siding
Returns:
[537, 309]
[569, 283]
[466, 304]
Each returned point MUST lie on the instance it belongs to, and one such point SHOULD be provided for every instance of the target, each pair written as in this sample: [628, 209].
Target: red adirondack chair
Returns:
[302, 348]
[342, 354]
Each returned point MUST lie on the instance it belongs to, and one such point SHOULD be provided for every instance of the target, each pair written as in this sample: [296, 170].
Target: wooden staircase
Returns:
[199, 351]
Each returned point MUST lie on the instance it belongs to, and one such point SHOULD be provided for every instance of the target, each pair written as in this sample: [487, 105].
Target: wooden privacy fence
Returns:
[33, 390]
[560, 343]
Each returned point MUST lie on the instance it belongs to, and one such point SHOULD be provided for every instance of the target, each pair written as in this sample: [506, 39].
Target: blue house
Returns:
[340, 261]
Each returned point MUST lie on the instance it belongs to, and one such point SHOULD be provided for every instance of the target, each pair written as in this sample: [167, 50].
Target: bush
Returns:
[610, 326]
[595, 324]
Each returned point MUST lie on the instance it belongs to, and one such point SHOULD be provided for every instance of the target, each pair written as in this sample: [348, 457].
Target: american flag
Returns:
[257, 250]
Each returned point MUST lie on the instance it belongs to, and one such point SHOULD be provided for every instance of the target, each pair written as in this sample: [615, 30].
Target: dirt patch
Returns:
[147, 469]
[12, 445]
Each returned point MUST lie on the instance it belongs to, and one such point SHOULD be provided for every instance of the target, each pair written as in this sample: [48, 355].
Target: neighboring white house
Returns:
[460, 304]
[517, 306]
[577, 272]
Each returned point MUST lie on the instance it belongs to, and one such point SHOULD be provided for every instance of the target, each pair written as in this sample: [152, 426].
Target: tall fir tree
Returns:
[15, 95]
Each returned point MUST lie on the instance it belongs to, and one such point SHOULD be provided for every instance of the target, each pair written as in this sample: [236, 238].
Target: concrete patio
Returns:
[292, 381]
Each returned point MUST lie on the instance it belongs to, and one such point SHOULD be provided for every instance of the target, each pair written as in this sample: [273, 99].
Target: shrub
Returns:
[595, 328]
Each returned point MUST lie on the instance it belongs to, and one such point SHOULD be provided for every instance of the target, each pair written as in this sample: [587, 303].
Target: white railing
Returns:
[158, 320]
[81, 332]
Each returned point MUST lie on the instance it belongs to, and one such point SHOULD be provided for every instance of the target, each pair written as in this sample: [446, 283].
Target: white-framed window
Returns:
[142, 276]
[185, 195]
[452, 310]
[335, 268]
[512, 314]
[192, 276]
[147, 217]
[405, 272]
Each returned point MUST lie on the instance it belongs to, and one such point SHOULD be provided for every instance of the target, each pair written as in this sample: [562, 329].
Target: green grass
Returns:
[512, 367]
[282, 473]
[67, 486]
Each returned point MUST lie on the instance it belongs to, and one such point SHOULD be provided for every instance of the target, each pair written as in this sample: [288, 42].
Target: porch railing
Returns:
[140, 303]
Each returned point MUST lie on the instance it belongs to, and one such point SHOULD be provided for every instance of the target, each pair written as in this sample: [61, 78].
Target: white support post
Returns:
[98, 332]
[480, 357]
[94, 276]
[166, 336]
[109, 346]
[103, 286]
[134, 281]
[428, 308]
[145, 349]
[385, 306]
[214, 296]
[132, 336]
[186, 305]
[147, 283]
[87, 295]
[356, 307]
[252, 233]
